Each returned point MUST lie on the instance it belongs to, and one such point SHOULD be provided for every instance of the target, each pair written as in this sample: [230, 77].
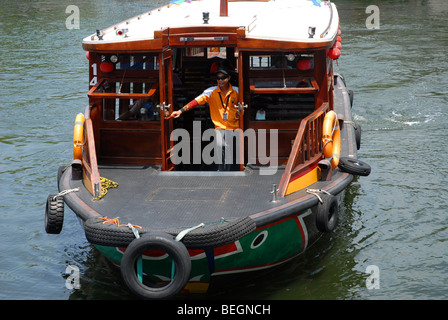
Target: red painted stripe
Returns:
[302, 233]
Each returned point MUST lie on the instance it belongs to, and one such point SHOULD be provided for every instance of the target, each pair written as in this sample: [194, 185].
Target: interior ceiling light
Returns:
[113, 58]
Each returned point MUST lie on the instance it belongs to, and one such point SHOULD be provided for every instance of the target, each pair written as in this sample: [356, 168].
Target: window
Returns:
[298, 61]
[137, 62]
[281, 86]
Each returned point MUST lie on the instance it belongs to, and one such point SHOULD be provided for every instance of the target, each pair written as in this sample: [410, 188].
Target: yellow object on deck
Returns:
[106, 184]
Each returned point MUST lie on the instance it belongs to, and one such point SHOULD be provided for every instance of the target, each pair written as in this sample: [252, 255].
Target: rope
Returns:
[179, 237]
[105, 185]
[335, 126]
[134, 230]
[64, 192]
[351, 123]
[316, 192]
[182, 234]
[116, 221]
[139, 270]
[326, 142]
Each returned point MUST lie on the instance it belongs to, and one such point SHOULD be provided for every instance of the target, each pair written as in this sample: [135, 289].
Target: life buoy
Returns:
[331, 138]
[327, 213]
[158, 241]
[78, 136]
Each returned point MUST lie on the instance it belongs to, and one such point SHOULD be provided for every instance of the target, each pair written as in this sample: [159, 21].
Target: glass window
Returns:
[300, 61]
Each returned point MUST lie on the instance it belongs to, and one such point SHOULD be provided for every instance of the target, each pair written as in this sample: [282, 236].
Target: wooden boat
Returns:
[181, 226]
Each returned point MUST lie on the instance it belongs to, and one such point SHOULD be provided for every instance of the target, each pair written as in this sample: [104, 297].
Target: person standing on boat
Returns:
[221, 100]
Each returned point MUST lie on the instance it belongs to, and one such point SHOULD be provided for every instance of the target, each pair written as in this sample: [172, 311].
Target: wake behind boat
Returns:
[160, 188]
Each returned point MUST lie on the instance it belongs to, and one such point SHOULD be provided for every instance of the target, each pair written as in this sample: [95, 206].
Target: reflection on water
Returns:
[394, 219]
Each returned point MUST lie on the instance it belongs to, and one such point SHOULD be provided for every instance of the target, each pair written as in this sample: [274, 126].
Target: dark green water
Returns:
[395, 219]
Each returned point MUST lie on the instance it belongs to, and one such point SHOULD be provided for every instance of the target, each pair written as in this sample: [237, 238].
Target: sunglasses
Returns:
[222, 78]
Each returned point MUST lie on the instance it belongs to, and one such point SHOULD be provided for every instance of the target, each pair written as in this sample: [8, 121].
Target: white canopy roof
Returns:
[287, 20]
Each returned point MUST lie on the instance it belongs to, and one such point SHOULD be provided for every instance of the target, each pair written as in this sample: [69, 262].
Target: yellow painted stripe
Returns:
[304, 181]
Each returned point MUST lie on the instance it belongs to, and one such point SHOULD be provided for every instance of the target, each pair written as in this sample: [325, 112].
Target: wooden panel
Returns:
[91, 174]
[279, 45]
[124, 47]
[313, 86]
[130, 146]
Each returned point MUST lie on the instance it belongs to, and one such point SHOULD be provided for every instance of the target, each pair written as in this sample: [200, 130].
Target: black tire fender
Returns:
[159, 241]
[358, 135]
[354, 166]
[61, 170]
[327, 213]
[212, 236]
[350, 95]
[54, 214]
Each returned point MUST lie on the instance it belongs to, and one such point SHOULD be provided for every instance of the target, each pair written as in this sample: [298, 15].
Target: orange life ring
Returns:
[78, 136]
[331, 138]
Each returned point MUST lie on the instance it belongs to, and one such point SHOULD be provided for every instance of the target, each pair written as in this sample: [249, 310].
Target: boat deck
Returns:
[152, 198]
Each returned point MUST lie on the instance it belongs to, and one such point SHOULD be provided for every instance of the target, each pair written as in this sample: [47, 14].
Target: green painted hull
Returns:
[264, 248]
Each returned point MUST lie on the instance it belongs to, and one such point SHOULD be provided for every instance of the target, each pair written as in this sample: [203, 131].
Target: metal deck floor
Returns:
[155, 199]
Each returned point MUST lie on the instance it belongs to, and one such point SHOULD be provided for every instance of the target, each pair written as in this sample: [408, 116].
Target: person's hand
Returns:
[175, 114]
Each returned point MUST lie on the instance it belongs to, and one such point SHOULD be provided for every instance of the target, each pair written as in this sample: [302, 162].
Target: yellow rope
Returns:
[106, 184]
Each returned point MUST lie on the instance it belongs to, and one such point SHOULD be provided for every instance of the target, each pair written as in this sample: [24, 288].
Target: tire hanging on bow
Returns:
[132, 274]
[327, 213]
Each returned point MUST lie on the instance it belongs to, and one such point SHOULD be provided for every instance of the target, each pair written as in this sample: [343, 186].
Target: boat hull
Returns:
[261, 250]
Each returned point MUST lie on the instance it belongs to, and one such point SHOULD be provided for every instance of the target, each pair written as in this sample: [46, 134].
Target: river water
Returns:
[393, 227]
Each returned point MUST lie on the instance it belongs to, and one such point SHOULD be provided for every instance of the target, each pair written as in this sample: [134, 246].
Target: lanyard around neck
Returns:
[222, 103]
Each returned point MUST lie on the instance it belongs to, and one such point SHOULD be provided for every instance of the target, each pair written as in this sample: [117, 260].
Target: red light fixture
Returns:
[107, 67]
[304, 65]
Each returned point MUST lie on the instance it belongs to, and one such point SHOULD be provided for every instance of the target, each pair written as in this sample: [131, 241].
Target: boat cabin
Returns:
[284, 86]
[277, 90]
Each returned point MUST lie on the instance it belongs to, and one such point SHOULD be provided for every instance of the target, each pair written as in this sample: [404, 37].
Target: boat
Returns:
[146, 186]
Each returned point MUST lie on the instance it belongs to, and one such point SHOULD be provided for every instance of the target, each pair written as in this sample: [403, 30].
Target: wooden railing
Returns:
[93, 92]
[91, 175]
[307, 147]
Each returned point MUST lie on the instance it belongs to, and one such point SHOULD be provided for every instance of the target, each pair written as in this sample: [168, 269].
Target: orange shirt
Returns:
[220, 106]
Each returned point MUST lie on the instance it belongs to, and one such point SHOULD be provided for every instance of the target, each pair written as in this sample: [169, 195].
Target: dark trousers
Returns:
[227, 141]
